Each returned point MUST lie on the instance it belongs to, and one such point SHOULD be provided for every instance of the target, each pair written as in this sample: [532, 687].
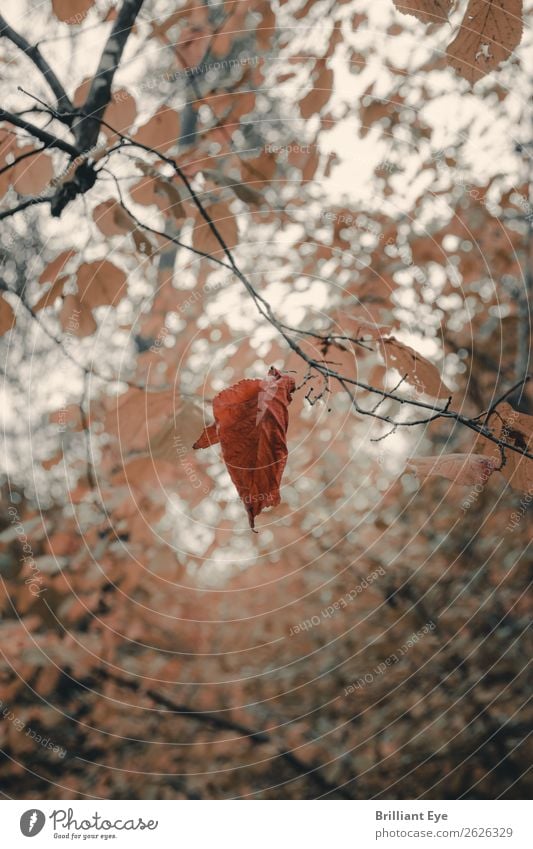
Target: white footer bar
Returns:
[267, 824]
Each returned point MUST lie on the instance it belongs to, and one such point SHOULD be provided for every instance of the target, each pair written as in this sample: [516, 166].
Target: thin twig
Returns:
[34, 54]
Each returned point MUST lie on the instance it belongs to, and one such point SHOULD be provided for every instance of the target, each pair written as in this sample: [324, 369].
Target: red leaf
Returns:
[251, 420]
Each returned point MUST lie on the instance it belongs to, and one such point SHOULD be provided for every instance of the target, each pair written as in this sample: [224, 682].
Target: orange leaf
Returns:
[136, 417]
[251, 420]
[193, 44]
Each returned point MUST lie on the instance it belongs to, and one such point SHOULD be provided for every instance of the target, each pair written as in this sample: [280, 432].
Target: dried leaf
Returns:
[76, 317]
[177, 434]
[33, 174]
[204, 239]
[465, 469]
[193, 44]
[516, 428]
[490, 31]
[54, 292]
[161, 131]
[69, 416]
[136, 417]
[241, 190]
[71, 11]
[112, 219]
[100, 283]
[121, 112]
[251, 420]
[320, 94]
[55, 267]
[411, 365]
[7, 316]
[427, 11]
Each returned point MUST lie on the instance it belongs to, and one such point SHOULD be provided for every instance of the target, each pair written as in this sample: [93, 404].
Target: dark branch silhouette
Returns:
[34, 54]
[87, 128]
[221, 723]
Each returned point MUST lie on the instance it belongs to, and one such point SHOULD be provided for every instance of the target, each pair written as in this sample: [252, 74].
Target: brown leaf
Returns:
[417, 371]
[173, 204]
[178, 433]
[516, 428]
[161, 131]
[49, 298]
[427, 11]
[358, 328]
[465, 469]
[490, 31]
[71, 11]
[69, 416]
[193, 44]
[136, 417]
[241, 190]
[267, 28]
[112, 219]
[76, 317]
[33, 174]
[120, 113]
[204, 239]
[52, 461]
[143, 243]
[7, 316]
[320, 94]
[100, 283]
[55, 267]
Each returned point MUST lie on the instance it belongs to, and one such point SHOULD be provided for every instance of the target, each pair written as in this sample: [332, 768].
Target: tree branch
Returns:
[320, 366]
[21, 158]
[47, 138]
[220, 723]
[34, 54]
[24, 205]
[86, 130]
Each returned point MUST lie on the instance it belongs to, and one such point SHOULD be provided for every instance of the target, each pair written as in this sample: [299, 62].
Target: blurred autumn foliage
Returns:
[190, 198]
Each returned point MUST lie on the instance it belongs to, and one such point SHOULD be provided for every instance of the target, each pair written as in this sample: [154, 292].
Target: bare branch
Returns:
[34, 54]
[6, 213]
[321, 367]
[47, 138]
[21, 158]
[88, 127]
[225, 724]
